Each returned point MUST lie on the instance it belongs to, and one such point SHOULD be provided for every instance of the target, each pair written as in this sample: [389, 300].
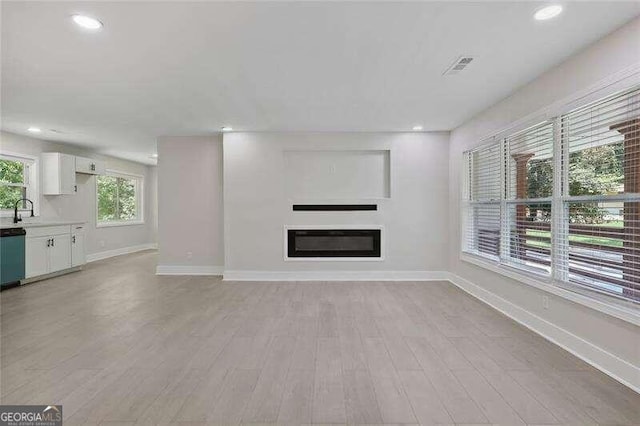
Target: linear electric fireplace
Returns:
[329, 243]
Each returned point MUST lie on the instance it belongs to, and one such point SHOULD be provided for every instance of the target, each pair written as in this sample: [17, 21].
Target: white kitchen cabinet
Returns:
[78, 256]
[60, 253]
[48, 249]
[58, 173]
[37, 256]
[90, 166]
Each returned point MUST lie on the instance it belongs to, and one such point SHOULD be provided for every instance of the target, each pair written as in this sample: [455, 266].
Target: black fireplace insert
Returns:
[333, 243]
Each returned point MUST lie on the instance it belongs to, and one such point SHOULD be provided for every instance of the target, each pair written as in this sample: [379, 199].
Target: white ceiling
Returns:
[178, 68]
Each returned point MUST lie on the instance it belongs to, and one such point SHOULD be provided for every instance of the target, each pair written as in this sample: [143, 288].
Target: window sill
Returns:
[610, 305]
[115, 224]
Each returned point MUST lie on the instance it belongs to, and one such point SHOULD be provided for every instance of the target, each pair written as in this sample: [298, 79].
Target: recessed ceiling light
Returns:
[548, 12]
[226, 129]
[417, 128]
[87, 22]
[153, 156]
[34, 129]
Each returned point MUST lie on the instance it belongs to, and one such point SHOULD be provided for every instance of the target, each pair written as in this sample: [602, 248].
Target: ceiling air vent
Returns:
[460, 64]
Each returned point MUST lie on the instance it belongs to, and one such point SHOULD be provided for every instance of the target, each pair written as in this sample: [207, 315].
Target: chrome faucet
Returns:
[17, 218]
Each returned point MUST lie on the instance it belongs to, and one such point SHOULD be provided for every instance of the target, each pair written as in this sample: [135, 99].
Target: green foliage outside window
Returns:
[117, 199]
[540, 178]
[11, 183]
[11, 171]
[592, 171]
[597, 171]
[107, 198]
[127, 199]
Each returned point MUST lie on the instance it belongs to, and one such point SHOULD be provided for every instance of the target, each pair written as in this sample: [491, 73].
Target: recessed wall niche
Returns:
[337, 174]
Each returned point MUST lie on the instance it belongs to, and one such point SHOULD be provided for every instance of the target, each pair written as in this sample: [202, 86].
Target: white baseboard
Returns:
[619, 369]
[118, 252]
[189, 270]
[336, 275]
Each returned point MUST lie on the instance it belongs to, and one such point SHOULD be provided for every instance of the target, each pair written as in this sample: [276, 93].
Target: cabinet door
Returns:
[60, 253]
[67, 174]
[50, 173]
[58, 173]
[83, 165]
[36, 256]
[89, 166]
[77, 249]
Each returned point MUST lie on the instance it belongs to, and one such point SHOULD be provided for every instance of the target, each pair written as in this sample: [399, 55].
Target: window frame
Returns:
[139, 220]
[32, 188]
[470, 201]
[510, 200]
[556, 283]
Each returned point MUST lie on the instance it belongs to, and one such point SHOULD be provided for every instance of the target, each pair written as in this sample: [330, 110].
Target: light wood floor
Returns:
[116, 344]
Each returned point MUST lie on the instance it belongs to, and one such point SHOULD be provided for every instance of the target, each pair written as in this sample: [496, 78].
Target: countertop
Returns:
[37, 222]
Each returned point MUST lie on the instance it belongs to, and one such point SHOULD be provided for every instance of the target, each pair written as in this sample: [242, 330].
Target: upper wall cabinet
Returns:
[90, 166]
[58, 173]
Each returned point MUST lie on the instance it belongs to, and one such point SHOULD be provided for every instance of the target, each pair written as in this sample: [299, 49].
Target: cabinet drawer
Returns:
[78, 229]
[48, 231]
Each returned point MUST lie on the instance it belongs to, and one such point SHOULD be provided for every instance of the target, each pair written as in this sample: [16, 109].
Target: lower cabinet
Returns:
[78, 256]
[37, 256]
[60, 253]
[50, 249]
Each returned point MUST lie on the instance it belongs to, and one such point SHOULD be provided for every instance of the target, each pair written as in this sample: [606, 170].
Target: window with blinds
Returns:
[562, 198]
[601, 245]
[483, 201]
[529, 174]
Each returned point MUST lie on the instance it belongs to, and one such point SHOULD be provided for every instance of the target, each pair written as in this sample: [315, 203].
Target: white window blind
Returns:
[529, 175]
[562, 198]
[482, 230]
[601, 247]
[486, 182]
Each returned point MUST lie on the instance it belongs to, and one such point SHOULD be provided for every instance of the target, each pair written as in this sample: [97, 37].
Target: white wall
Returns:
[82, 205]
[337, 174]
[609, 342]
[257, 206]
[152, 213]
[190, 214]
